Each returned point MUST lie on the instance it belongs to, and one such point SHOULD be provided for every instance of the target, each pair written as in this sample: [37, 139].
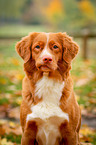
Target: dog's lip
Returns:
[44, 67]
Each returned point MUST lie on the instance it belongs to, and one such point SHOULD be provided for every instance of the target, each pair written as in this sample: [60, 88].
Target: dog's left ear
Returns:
[70, 48]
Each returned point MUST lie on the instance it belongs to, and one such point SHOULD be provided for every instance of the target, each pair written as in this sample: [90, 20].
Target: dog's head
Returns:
[47, 50]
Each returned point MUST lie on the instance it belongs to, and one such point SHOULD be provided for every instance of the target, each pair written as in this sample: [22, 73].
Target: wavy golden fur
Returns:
[59, 70]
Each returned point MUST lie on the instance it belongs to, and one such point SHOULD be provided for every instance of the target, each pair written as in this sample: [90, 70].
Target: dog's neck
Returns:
[49, 90]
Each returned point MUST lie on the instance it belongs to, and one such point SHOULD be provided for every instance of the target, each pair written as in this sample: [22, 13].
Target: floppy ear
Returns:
[23, 47]
[70, 48]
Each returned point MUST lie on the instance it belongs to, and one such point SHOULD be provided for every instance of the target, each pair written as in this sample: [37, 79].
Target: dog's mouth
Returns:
[45, 68]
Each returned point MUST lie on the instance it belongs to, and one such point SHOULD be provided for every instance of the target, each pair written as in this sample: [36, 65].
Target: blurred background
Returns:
[20, 17]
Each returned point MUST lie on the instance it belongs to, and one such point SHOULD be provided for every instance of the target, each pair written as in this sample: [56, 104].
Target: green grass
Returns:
[4, 101]
[94, 138]
[13, 138]
[20, 30]
[84, 94]
[7, 48]
[83, 70]
[86, 89]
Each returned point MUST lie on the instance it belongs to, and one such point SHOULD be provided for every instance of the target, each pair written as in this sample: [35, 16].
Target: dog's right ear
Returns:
[23, 47]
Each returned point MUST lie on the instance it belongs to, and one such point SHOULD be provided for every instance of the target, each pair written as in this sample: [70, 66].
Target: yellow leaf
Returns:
[4, 142]
[77, 97]
[19, 100]
[81, 106]
[86, 130]
[19, 76]
[12, 124]
[2, 121]
[3, 81]
[15, 61]
[86, 139]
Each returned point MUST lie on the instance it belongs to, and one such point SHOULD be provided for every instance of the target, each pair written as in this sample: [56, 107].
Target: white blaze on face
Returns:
[45, 52]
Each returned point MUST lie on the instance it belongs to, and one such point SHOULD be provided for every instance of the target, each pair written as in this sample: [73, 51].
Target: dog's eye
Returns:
[38, 47]
[55, 47]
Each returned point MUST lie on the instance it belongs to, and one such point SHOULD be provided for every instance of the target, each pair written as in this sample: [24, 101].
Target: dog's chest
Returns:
[50, 91]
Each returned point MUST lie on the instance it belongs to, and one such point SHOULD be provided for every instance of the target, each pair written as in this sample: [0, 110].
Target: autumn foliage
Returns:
[68, 14]
[54, 10]
[87, 8]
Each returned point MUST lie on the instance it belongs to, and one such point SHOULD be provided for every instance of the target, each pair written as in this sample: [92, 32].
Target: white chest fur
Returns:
[50, 91]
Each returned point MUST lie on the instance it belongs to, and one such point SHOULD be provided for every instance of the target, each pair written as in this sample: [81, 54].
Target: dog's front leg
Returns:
[69, 135]
[29, 135]
[70, 140]
[27, 100]
[26, 92]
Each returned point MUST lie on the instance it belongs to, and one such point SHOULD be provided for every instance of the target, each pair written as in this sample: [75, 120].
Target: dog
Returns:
[49, 113]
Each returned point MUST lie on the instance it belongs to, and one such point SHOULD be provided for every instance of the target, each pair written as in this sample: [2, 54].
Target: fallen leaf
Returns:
[8, 96]
[81, 82]
[86, 143]
[4, 108]
[12, 87]
[7, 128]
[85, 130]
[19, 76]
[92, 101]
[77, 97]
[18, 93]
[12, 124]
[19, 100]
[11, 127]
[94, 111]
[2, 121]
[17, 131]
[86, 139]
[81, 106]
[14, 113]
[84, 111]
[5, 142]
[2, 131]
[15, 61]
[3, 81]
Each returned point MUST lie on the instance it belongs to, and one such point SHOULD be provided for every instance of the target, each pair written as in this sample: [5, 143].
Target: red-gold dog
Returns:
[49, 114]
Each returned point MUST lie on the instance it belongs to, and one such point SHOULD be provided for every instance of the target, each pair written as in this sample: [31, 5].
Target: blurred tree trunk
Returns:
[85, 39]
